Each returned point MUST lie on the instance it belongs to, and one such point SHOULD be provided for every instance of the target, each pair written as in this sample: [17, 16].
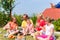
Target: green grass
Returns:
[3, 38]
[2, 35]
[27, 37]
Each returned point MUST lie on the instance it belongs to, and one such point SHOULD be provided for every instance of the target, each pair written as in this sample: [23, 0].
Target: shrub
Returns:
[34, 19]
[19, 19]
[4, 18]
[57, 24]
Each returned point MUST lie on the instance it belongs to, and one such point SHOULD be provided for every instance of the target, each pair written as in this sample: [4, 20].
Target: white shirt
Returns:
[48, 28]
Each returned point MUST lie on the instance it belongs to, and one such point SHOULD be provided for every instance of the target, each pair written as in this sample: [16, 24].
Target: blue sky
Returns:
[32, 6]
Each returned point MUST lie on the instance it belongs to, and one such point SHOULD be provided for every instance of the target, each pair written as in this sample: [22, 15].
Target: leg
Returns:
[24, 31]
[39, 38]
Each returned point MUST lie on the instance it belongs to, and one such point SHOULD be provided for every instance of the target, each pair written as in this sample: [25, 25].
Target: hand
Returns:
[46, 38]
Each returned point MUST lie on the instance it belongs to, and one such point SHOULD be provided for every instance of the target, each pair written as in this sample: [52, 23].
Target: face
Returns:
[38, 17]
[28, 21]
[24, 17]
[14, 19]
[47, 22]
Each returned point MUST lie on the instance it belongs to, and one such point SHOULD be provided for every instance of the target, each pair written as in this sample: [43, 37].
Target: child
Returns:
[30, 27]
[49, 32]
[11, 27]
[39, 25]
[24, 23]
[40, 22]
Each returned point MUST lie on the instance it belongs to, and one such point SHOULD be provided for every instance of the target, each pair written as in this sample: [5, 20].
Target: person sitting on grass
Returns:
[39, 25]
[11, 27]
[49, 31]
[30, 28]
[24, 23]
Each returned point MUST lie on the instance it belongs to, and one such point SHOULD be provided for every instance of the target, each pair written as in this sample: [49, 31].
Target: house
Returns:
[53, 12]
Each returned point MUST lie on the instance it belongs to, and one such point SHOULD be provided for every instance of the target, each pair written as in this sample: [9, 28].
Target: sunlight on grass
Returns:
[3, 38]
[2, 32]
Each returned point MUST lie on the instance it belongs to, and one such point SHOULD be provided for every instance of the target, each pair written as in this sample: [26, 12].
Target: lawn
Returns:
[2, 35]
[4, 38]
[27, 37]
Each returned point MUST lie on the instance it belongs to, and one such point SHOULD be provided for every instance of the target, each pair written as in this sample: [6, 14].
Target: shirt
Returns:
[40, 23]
[13, 26]
[48, 28]
[24, 23]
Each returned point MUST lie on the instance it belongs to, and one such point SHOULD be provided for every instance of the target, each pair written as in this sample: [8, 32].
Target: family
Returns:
[43, 30]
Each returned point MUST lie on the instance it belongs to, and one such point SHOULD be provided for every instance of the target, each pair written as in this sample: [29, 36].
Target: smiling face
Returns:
[39, 16]
[25, 16]
[48, 21]
[28, 21]
[13, 19]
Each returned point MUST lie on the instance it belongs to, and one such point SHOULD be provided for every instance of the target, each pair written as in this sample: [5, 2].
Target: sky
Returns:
[32, 6]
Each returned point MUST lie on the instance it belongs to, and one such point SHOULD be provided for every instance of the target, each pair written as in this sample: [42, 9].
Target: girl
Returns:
[39, 25]
[49, 32]
[40, 22]
[11, 27]
[24, 23]
[30, 27]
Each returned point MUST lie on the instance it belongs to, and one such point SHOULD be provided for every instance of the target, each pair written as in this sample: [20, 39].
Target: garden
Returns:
[6, 14]
[4, 18]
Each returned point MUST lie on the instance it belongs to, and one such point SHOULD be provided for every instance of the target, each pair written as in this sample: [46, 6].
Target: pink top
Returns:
[13, 26]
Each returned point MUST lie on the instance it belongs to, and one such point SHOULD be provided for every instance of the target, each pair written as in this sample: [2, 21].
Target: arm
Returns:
[6, 26]
[16, 27]
[51, 32]
[31, 21]
[23, 24]
[32, 26]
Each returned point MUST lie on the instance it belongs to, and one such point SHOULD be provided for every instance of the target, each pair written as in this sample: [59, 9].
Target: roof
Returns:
[57, 5]
[53, 13]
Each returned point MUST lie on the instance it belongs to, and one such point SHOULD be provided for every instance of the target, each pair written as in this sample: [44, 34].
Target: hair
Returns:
[29, 20]
[49, 20]
[13, 19]
[41, 16]
[26, 15]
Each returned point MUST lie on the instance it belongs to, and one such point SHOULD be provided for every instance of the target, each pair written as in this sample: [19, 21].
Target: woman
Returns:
[11, 27]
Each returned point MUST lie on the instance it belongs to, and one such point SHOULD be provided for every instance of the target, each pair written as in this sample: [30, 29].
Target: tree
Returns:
[4, 18]
[8, 6]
